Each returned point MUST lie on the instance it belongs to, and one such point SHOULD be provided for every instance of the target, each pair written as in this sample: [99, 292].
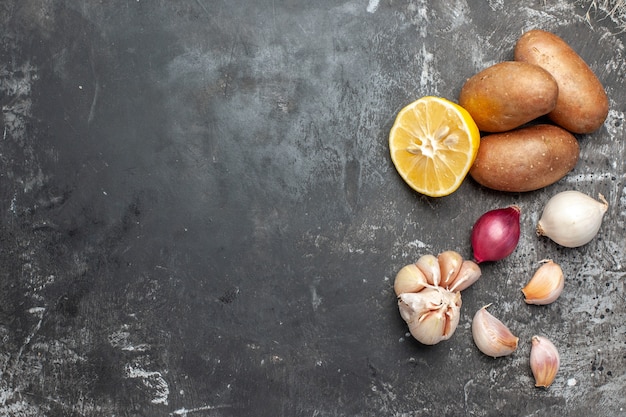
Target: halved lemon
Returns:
[433, 144]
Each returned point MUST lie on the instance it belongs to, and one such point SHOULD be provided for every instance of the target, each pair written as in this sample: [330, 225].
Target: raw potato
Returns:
[525, 159]
[508, 94]
[582, 105]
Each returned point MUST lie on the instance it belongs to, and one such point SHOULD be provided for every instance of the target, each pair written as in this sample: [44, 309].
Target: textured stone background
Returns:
[199, 217]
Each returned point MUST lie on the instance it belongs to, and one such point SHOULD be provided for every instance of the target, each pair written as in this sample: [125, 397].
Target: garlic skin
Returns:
[544, 361]
[431, 314]
[409, 279]
[491, 336]
[468, 274]
[449, 265]
[546, 284]
[429, 264]
[571, 218]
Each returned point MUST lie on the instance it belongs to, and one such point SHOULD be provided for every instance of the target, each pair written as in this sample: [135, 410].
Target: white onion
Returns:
[572, 218]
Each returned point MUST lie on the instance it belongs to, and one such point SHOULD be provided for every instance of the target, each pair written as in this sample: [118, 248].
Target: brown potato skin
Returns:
[582, 104]
[525, 159]
[508, 94]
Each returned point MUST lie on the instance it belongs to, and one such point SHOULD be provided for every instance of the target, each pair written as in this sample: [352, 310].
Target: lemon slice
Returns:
[433, 144]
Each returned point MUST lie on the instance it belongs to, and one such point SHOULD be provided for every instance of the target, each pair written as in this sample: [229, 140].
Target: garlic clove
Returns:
[544, 361]
[571, 218]
[430, 267]
[409, 279]
[491, 336]
[449, 265]
[430, 328]
[431, 314]
[468, 274]
[546, 284]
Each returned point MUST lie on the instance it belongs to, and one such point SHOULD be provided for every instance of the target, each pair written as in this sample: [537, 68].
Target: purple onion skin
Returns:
[495, 234]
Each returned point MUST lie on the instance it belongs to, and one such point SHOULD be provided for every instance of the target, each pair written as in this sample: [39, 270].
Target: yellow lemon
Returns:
[433, 144]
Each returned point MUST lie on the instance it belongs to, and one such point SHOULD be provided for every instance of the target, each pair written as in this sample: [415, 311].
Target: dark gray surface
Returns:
[199, 216]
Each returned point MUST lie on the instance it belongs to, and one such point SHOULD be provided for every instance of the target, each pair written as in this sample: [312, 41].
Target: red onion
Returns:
[495, 234]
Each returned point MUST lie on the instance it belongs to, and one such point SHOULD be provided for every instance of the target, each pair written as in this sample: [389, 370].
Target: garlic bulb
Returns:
[572, 218]
[432, 314]
[491, 336]
[544, 361]
[546, 284]
[429, 294]
[409, 279]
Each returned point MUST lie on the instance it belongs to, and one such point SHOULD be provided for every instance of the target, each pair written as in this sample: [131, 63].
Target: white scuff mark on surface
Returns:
[184, 412]
[94, 101]
[121, 339]
[589, 177]
[417, 244]
[36, 180]
[316, 300]
[10, 406]
[613, 9]
[417, 15]
[372, 6]
[496, 5]
[458, 14]
[429, 76]
[153, 380]
[37, 310]
[622, 201]
[40, 313]
[614, 122]
[18, 110]
[13, 206]
[352, 249]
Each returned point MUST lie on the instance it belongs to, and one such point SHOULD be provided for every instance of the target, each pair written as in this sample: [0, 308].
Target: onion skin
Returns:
[495, 234]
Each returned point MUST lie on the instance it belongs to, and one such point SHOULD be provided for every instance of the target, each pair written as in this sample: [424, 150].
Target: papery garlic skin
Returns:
[432, 314]
[544, 361]
[415, 304]
[546, 285]
[571, 218]
[468, 274]
[491, 336]
[409, 279]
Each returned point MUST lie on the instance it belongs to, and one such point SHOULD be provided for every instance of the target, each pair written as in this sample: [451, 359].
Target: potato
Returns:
[525, 159]
[508, 94]
[582, 105]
